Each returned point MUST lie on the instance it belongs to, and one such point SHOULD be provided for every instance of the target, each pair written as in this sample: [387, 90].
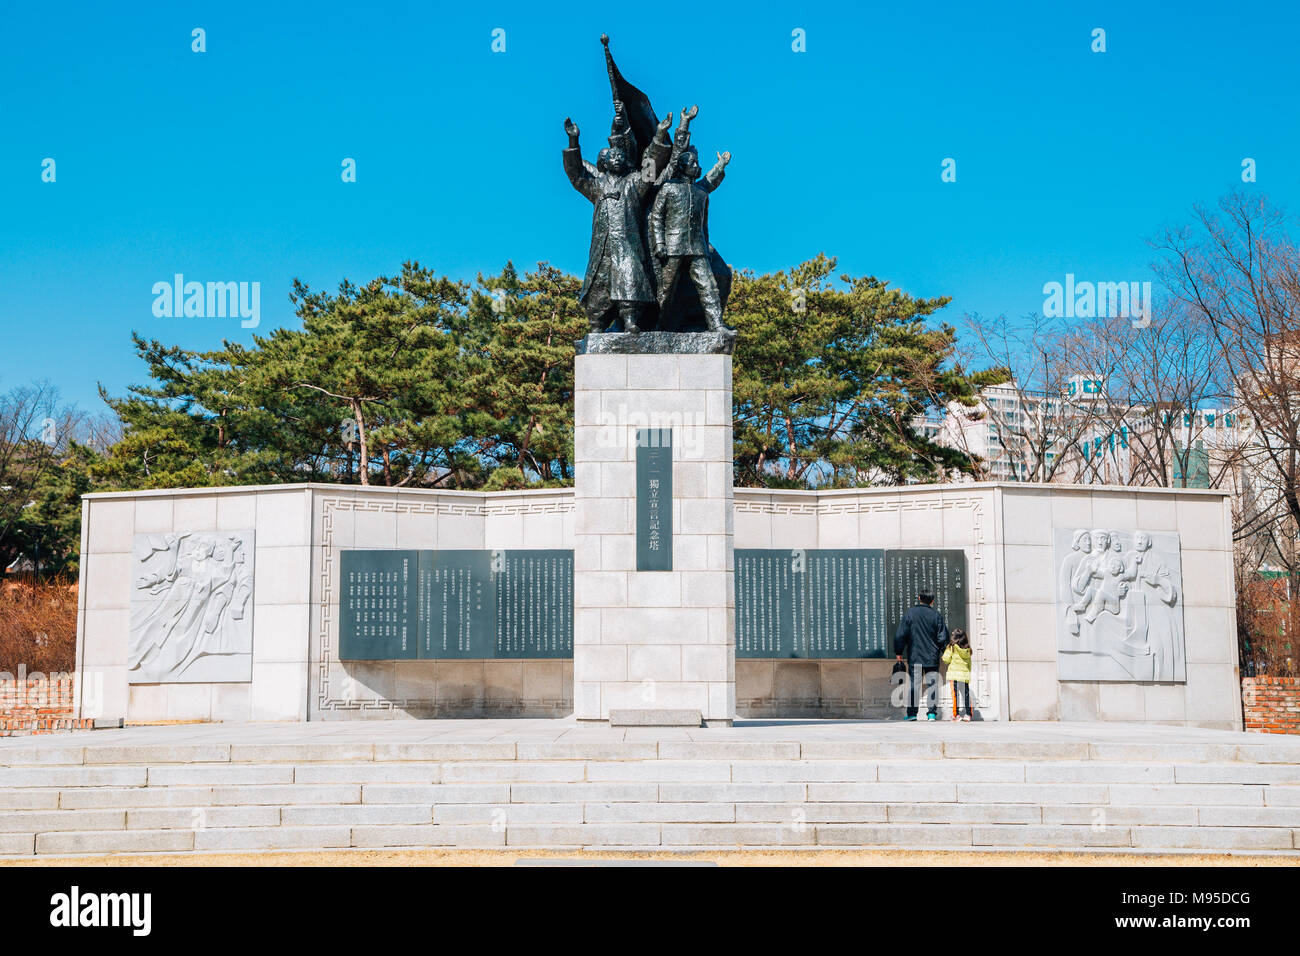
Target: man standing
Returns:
[679, 229]
[921, 637]
[616, 262]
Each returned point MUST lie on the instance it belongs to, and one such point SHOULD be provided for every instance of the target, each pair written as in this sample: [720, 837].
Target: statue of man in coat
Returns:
[618, 271]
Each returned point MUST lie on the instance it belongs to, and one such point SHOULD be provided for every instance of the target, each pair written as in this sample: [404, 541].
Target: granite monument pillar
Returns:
[654, 608]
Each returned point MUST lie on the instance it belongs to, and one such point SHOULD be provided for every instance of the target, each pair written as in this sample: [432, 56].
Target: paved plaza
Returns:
[816, 738]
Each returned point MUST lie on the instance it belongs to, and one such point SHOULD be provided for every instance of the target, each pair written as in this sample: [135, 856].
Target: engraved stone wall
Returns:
[526, 531]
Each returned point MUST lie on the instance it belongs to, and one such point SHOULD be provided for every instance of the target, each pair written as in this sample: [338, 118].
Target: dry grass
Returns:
[1266, 622]
[38, 625]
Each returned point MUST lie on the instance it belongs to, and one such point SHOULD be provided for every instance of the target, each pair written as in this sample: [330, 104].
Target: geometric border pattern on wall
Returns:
[333, 699]
[972, 504]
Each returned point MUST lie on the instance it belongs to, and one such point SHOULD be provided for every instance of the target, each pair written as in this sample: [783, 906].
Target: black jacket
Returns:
[921, 636]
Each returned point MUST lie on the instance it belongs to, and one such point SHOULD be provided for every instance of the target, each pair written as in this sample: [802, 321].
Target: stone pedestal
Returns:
[660, 640]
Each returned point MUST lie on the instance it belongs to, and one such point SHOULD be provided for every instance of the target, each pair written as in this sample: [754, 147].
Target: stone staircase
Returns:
[91, 794]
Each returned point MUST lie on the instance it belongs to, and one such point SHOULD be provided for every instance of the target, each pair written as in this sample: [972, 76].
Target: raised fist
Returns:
[571, 128]
[681, 137]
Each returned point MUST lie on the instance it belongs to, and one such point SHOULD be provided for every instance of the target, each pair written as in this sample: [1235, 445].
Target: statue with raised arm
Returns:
[618, 277]
[679, 229]
[643, 186]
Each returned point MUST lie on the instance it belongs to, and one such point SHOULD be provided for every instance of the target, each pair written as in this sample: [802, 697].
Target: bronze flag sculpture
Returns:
[650, 266]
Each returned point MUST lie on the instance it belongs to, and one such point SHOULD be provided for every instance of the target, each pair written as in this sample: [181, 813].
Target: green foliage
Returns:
[384, 365]
[42, 476]
[48, 529]
[421, 381]
[828, 380]
[523, 382]
[428, 383]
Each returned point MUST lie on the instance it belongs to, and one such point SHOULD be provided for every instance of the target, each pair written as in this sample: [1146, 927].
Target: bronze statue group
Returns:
[650, 265]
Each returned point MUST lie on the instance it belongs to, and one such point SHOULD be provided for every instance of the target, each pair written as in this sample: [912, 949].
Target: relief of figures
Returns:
[191, 607]
[1119, 605]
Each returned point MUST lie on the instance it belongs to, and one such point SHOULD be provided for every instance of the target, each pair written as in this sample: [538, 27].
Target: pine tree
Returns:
[416, 380]
[384, 361]
[828, 380]
[524, 380]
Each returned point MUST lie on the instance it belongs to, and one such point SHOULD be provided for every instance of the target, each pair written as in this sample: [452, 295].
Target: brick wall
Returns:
[1271, 704]
[38, 705]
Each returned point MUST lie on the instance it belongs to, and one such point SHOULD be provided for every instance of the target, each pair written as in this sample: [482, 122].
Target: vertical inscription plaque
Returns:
[457, 605]
[945, 571]
[534, 602]
[765, 596]
[654, 499]
[838, 603]
[810, 603]
[844, 613]
[378, 607]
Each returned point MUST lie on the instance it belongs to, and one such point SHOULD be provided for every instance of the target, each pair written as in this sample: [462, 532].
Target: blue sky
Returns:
[225, 165]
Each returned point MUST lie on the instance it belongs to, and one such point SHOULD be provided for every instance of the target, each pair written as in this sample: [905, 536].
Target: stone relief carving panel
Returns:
[191, 607]
[1119, 605]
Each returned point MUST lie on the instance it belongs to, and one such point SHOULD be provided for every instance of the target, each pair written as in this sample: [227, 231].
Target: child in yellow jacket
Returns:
[957, 656]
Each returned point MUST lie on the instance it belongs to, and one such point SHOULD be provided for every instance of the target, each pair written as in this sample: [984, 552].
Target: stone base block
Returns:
[658, 343]
[655, 718]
